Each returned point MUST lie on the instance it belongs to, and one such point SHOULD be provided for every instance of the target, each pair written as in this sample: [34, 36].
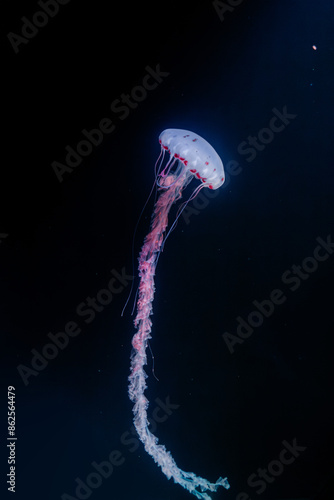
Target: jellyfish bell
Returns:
[195, 153]
[188, 156]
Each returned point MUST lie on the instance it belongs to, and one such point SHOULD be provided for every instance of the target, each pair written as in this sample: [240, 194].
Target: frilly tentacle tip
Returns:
[223, 482]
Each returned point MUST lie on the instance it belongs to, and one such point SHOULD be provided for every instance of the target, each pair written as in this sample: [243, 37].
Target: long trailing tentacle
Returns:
[147, 265]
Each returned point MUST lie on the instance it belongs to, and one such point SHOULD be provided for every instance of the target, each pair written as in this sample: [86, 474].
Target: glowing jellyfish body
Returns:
[189, 156]
[196, 154]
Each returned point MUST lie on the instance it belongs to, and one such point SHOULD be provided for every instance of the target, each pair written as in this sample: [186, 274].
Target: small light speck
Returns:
[314, 47]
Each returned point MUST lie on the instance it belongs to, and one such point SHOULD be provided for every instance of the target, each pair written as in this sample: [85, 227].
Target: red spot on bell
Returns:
[193, 170]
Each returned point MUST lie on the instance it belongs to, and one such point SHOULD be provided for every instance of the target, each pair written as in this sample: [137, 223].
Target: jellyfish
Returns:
[184, 156]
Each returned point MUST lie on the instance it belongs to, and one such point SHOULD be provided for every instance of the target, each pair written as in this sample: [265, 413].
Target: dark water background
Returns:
[235, 403]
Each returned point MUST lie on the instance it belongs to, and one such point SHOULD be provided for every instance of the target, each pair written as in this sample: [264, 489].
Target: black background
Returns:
[61, 240]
